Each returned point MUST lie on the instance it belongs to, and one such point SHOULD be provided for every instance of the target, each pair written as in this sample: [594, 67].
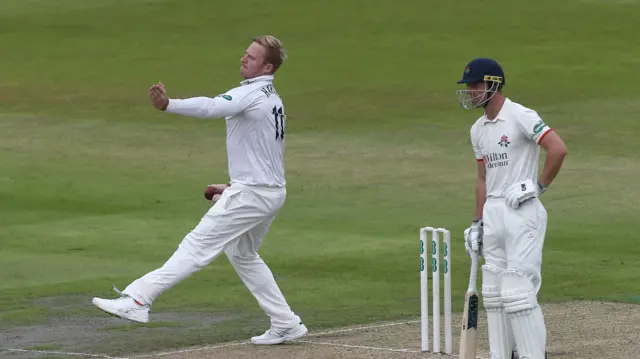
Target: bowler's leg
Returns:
[191, 256]
[225, 221]
[522, 279]
[198, 248]
[256, 275]
[185, 261]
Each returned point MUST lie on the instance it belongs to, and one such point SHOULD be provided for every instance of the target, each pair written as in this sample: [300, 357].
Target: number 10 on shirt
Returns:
[278, 115]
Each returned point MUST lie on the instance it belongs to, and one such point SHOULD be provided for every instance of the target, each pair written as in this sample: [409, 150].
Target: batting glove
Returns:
[473, 238]
[523, 191]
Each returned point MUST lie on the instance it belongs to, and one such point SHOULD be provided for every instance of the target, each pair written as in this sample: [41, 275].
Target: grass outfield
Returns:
[96, 187]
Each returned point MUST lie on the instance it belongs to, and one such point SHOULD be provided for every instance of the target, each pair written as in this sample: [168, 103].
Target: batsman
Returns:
[510, 221]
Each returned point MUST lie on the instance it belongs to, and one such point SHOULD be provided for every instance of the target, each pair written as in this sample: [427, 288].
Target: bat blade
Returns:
[469, 335]
[469, 332]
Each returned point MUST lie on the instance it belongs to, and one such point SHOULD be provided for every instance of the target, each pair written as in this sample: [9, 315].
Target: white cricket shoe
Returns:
[278, 336]
[515, 355]
[124, 307]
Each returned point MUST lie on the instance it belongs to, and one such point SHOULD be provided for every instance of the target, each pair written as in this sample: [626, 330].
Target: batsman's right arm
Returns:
[481, 190]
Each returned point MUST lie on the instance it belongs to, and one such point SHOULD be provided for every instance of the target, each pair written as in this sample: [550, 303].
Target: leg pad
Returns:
[524, 313]
[518, 293]
[500, 339]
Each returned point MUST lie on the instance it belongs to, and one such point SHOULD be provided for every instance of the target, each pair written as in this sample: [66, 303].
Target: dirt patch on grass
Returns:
[76, 326]
[584, 330]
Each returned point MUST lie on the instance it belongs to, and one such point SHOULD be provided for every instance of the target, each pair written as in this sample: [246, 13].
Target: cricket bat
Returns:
[469, 335]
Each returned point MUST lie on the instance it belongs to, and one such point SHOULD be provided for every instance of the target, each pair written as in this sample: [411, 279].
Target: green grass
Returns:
[97, 188]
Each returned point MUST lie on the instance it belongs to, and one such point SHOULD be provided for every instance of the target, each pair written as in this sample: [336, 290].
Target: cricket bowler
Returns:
[239, 220]
[509, 225]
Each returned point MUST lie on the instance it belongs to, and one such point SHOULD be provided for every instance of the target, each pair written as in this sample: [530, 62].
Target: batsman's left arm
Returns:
[556, 152]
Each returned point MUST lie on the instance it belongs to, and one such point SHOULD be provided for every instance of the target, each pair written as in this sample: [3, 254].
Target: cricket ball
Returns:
[208, 193]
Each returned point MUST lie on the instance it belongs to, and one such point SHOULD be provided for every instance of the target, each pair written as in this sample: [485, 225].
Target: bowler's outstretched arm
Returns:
[206, 107]
[202, 107]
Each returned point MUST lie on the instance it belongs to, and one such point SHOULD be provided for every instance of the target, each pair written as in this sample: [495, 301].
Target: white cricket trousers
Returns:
[513, 238]
[237, 225]
[511, 278]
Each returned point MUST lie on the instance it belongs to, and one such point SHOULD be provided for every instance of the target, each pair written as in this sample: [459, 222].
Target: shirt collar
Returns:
[501, 115]
[266, 78]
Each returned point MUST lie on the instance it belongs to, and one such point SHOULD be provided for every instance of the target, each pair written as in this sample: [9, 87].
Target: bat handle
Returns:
[473, 277]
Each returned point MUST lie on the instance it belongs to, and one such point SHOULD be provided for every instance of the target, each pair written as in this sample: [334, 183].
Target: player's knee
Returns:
[518, 293]
[491, 282]
[238, 259]
[530, 269]
[191, 249]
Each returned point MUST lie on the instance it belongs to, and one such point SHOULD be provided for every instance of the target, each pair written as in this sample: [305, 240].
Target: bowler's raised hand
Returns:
[159, 96]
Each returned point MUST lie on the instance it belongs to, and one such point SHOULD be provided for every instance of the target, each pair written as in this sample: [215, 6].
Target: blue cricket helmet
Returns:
[483, 70]
[480, 70]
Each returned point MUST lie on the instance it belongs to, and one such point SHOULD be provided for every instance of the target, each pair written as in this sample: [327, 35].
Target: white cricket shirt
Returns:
[255, 120]
[509, 146]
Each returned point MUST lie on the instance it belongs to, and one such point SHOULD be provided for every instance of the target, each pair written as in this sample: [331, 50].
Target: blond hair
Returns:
[274, 51]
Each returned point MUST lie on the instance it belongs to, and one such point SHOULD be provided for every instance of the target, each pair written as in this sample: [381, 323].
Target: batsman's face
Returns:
[477, 93]
[252, 63]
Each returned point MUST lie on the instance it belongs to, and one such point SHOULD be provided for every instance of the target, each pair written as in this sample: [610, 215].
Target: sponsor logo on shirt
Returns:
[493, 160]
[539, 127]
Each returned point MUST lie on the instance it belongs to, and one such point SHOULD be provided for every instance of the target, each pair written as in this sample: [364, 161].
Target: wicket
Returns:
[424, 290]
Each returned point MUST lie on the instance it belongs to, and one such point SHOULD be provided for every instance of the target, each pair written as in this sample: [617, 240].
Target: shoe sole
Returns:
[286, 338]
[116, 315]
[301, 334]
